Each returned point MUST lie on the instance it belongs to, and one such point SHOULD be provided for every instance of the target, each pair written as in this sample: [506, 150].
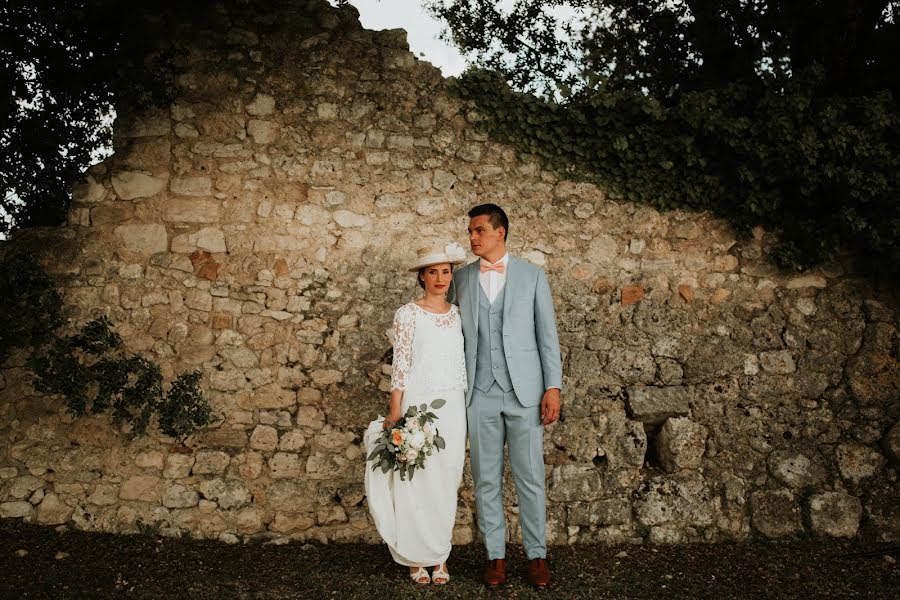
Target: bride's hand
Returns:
[390, 421]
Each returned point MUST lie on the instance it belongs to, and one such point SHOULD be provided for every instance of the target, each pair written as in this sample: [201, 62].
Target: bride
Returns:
[415, 517]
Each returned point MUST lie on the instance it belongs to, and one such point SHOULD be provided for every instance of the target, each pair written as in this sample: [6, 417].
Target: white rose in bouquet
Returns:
[417, 439]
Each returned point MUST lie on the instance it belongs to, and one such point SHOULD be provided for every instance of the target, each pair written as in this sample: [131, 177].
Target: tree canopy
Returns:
[780, 113]
[66, 67]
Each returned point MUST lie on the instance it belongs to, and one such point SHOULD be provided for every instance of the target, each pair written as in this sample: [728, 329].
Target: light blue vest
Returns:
[490, 362]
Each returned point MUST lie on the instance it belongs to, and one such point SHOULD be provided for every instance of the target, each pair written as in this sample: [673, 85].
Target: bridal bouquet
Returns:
[405, 446]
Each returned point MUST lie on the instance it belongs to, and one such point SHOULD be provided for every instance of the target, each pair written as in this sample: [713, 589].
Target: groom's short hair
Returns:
[498, 218]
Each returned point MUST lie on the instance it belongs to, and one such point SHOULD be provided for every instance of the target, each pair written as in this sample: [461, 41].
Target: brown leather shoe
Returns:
[495, 573]
[538, 573]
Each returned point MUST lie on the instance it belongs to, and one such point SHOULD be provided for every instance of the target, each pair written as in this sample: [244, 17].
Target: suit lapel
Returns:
[511, 268]
[474, 286]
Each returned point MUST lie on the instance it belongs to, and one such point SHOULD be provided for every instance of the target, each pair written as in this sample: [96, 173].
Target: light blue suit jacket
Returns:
[529, 328]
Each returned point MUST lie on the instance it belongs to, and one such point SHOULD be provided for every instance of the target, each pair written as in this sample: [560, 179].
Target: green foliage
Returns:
[183, 409]
[783, 114]
[89, 368]
[148, 529]
[820, 170]
[32, 307]
[68, 67]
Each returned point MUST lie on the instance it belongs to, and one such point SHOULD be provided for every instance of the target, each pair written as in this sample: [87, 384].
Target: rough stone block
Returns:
[130, 185]
[16, 510]
[262, 104]
[249, 520]
[53, 511]
[228, 493]
[210, 462]
[835, 514]
[795, 469]
[857, 462]
[331, 515]
[291, 523]
[193, 210]
[291, 496]
[684, 499]
[262, 132]
[324, 465]
[264, 438]
[88, 191]
[292, 441]
[152, 459]
[191, 186]
[252, 465]
[23, 486]
[653, 405]
[631, 294]
[142, 487]
[575, 483]
[116, 212]
[613, 511]
[310, 417]
[210, 239]
[286, 465]
[778, 361]
[180, 496]
[681, 444]
[775, 514]
[891, 444]
[104, 495]
[144, 238]
[346, 218]
[270, 395]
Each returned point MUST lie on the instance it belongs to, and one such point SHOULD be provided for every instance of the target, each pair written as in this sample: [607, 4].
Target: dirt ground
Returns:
[42, 562]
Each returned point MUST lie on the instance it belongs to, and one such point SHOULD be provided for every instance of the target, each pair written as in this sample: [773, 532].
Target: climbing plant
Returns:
[822, 171]
[89, 368]
[783, 114]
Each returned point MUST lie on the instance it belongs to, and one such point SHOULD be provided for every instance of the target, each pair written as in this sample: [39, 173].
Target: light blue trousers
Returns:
[494, 418]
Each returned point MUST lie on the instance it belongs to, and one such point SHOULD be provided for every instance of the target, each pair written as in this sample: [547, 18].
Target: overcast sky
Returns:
[422, 30]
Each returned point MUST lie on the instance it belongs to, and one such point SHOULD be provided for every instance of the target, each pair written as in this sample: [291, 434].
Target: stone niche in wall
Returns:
[258, 229]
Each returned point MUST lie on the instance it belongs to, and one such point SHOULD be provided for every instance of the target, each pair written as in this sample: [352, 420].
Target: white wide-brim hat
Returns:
[436, 254]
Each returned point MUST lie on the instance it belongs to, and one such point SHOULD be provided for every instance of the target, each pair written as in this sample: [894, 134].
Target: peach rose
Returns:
[396, 437]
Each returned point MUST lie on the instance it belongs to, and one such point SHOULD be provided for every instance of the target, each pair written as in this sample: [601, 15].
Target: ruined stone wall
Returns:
[259, 228]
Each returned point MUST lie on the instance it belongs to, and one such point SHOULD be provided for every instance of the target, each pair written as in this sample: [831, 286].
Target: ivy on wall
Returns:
[89, 368]
[820, 170]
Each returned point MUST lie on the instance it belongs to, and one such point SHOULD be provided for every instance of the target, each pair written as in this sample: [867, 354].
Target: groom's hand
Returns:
[550, 406]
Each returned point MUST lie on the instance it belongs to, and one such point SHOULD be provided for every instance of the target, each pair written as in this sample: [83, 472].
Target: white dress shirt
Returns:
[492, 281]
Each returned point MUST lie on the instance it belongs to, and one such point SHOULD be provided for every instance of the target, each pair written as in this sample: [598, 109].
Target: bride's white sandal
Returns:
[420, 576]
[439, 577]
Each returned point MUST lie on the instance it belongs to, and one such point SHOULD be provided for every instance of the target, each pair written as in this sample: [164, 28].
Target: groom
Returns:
[514, 382]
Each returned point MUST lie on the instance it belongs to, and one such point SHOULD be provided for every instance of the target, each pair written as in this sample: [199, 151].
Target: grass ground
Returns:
[41, 562]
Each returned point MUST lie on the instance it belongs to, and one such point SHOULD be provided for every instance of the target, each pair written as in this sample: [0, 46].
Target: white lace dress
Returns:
[416, 517]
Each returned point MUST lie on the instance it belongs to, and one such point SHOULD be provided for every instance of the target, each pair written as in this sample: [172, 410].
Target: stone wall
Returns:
[258, 229]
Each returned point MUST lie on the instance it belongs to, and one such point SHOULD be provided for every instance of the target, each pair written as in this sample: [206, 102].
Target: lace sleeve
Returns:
[404, 327]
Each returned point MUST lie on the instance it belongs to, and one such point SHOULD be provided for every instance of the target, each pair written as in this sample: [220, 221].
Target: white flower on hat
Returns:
[455, 252]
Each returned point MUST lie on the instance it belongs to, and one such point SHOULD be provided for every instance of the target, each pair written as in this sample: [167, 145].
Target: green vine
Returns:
[89, 369]
[822, 171]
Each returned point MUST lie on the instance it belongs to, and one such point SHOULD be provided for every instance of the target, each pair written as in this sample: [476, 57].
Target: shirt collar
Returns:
[503, 261]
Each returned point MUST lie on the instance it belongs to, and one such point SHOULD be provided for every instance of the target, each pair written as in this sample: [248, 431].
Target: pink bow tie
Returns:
[486, 266]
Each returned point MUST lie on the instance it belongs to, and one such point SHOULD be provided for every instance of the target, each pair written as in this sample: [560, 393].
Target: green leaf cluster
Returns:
[89, 367]
[819, 169]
